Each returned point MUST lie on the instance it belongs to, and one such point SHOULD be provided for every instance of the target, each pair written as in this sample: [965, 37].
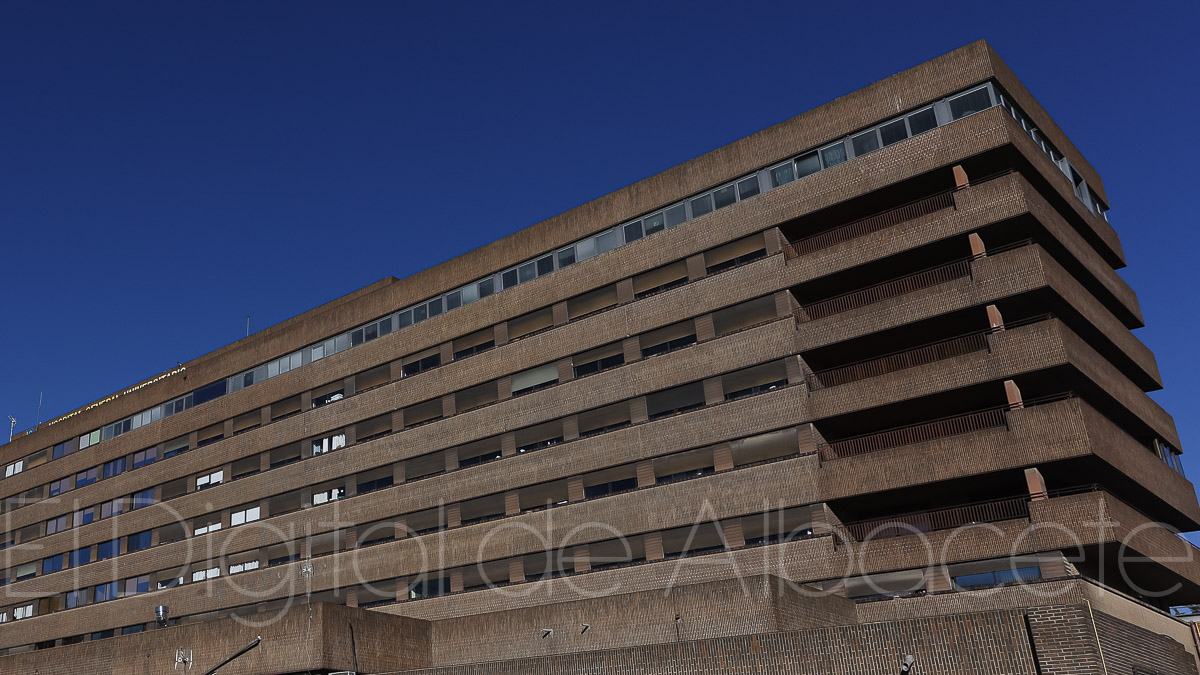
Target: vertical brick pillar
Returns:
[456, 580]
[637, 410]
[714, 391]
[1052, 565]
[581, 558]
[977, 247]
[705, 330]
[783, 304]
[451, 459]
[695, 267]
[512, 503]
[351, 486]
[448, 405]
[516, 570]
[352, 596]
[995, 320]
[1036, 484]
[732, 532]
[773, 240]
[559, 313]
[504, 387]
[632, 348]
[264, 461]
[575, 489]
[795, 371]
[625, 290]
[652, 541]
[937, 579]
[645, 473]
[453, 515]
[570, 427]
[960, 177]
[398, 473]
[723, 457]
[349, 387]
[227, 428]
[508, 445]
[1013, 394]
[501, 333]
[446, 351]
[396, 370]
[194, 438]
[400, 528]
[566, 371]
[264, 415]
[351, 434]
[397, 420]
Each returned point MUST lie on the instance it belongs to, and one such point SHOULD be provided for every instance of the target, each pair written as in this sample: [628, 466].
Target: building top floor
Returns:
[933, 93]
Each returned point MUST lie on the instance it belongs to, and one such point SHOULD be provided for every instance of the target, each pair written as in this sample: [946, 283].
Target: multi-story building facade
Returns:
[857, 387]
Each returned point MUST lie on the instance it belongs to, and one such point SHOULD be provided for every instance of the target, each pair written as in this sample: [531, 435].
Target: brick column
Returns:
[397, 420]
[575, 489]
[695, 267]
[501, 333]
[516, 571]
[227, 428]
[645, 473]
[937, 579]
[795, 372]
[637, 410]
[1013, 394]
[732, 531]
[773, 240]
[581, 558]
[570, 427]
[566, 371]
[995, 320]
[456, 580]
[448, 405]
[348, 387]
[632, 348]
[705, 330]
[447, 352]
[652, 541]
[625, 290]
[508, 445]
[512, 503]
[396, 370]
[723, 457]
[453, 515]
[714, 391]
[451, 458]
[977, 247]
[398, 473]
[400, 528]
[305, 401]
[559, 312]
[264, 461]
[1036, 484]
[352, 596]
[504, 387]
[265, 415]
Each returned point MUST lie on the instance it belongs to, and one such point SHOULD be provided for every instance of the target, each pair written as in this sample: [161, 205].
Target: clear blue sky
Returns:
[168, 167]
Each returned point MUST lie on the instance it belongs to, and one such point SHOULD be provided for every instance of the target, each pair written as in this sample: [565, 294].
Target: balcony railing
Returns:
[940, 350]
[940, 519]
[879, 221]
[921, 432]
[908, 283]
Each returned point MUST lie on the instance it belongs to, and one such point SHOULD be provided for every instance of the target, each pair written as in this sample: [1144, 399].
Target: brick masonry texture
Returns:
[744, 606]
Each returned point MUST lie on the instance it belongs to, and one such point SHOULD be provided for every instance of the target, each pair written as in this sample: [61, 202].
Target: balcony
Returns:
[919, 522]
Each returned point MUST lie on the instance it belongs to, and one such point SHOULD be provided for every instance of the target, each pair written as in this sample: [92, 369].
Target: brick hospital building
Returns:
[859, 388]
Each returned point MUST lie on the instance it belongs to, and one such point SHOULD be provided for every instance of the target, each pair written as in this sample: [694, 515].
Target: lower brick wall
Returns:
[983, 643]
[1127, 646]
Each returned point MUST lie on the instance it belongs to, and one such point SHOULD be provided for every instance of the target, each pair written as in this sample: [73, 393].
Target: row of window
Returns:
[743, 250]
[892, 131]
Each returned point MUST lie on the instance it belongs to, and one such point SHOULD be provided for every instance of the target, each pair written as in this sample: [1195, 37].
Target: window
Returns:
[26, 571]
[209, 480]
[63, 449]
[136, 585]
[922, 121]
[807, 165]
[654, 223]
[57, 524]
[137, 542]
[970, 103]
[86, 477]
[108, 591]
[244, 516]
[868, 141]
[323, 445]
[210, 573]
[893, 132]
[243, 567]
[170, 583]
[140, 499]
[748, 188]
[332, 494]
[14, 469]
[1005, 576]
[535, 378]
[60, 486]
[22, 612]
[782, 174]
[701, 205]
[107, 549]
[80, 556]
[174, 447]
[204, 527]
[110, 509]
[77, 598]
[130, 630]
[148, 456]
[832, 155]
[53, 564]
[115, 467]
[86, 516]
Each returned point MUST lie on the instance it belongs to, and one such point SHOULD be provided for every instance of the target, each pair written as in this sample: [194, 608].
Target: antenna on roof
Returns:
[39, 412]
[11, 427]
[247, 325]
